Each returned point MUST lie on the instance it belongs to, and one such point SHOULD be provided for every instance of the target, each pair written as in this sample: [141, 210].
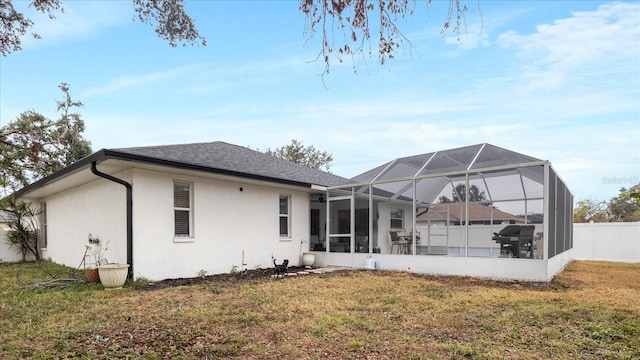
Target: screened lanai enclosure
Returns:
[479, 210]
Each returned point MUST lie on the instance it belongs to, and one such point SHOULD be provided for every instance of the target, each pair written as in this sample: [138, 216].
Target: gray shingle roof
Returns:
[220, 156]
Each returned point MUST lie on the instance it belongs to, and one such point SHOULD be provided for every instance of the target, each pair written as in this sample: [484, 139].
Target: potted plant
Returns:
[111, 276]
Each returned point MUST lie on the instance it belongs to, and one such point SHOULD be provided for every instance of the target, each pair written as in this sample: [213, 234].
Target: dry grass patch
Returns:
[590, 311]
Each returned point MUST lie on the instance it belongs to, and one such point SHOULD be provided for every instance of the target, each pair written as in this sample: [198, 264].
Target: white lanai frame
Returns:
[479, 162]
[398, 194]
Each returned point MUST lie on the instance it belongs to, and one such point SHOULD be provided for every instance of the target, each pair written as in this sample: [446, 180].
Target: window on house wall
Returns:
[43, 227]
[396, 219]
[182, 207]
[285, 216]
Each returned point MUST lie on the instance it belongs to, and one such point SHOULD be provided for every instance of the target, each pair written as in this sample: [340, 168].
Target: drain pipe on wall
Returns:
[129, 214]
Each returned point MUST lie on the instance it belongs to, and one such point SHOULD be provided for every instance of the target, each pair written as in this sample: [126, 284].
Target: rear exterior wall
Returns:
[235, 226]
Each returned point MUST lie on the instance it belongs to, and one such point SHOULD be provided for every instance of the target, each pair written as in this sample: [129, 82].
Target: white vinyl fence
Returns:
[8, 254]
[607, 241]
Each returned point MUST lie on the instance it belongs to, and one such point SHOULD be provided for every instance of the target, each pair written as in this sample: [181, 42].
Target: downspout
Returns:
[129, 213]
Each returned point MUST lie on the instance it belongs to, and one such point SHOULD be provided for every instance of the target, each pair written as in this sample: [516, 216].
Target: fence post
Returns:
[592, 243]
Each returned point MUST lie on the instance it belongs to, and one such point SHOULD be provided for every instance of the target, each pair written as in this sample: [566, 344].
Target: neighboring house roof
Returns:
[213, 157]
[477, 212]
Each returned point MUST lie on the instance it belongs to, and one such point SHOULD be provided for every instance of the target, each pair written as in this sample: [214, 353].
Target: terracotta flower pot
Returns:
[92, 275]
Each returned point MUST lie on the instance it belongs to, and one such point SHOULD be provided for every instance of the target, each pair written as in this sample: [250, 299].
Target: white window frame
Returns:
[183, 237]
[43, 225]
[393, 218]
[287, 216]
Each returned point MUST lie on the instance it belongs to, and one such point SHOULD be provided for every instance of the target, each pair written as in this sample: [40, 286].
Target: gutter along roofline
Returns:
[185, 166]
[106, 154]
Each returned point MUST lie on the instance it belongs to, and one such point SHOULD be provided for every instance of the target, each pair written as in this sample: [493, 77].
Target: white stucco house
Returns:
[180, 210]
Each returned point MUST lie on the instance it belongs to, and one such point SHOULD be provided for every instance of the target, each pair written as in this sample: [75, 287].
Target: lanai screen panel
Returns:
[523, 183]
[492, 155]
[505, 185]
[551, 236]
[427, 190]
[404, 167]
[560, 209]
[533, 188]
[371, 174]
[451, 160]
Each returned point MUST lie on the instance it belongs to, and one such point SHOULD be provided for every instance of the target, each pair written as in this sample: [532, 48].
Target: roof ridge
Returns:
[167, 145]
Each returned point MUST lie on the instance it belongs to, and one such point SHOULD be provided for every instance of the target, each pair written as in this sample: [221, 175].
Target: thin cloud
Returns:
[556, 51]
[80, 20]
[128, 81]
[476, 32]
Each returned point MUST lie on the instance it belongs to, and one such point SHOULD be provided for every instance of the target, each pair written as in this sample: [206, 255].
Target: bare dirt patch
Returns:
[255, 274]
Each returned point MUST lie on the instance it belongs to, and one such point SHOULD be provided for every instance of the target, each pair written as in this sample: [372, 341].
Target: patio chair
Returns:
[396, 240]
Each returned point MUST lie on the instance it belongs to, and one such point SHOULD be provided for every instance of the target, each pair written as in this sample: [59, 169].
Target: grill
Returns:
[515, 241]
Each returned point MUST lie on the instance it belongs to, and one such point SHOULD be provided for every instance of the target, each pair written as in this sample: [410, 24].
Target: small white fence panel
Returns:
[7, 253]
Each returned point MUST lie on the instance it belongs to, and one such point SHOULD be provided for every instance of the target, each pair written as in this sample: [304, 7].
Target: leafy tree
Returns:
[345, 27]
[168, 16]
[626, 206]
[13, 24]
[34, 146]
[622, 208]
[308, 156]
[590, 210]
[459, 194]
[23, 229]
[171, 21]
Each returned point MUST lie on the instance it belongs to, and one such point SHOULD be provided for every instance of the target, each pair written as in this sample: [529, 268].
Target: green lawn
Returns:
[590, 311]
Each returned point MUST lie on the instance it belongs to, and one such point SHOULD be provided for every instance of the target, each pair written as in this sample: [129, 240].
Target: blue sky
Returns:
[557, 80]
